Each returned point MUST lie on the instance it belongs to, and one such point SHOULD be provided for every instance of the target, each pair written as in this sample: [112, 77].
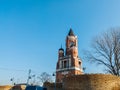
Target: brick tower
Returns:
[68, 62]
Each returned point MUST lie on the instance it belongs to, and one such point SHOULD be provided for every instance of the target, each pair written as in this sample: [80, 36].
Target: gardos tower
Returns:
[69, 62]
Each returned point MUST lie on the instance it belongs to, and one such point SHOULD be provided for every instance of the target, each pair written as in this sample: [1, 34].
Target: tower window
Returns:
[62, 64]
[72, 44]
[65, 64]
[79, 64]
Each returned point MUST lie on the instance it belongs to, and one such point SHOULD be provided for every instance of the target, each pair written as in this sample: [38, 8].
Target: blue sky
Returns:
[32, 31]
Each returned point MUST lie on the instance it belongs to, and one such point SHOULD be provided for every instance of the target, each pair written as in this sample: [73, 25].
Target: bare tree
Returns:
[45, 77]
[106, 51]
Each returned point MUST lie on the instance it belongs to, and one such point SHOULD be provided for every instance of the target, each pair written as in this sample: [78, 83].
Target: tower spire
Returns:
[61, 48]
[71, 33]
[61, 45]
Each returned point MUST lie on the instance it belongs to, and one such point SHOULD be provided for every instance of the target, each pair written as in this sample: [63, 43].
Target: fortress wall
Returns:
[6, 87]
[92, 82]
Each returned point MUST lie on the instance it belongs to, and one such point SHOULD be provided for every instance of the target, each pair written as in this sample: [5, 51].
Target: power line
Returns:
[8, 69]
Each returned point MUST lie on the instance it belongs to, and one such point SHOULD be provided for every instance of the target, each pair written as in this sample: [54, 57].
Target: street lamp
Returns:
[54, 74]
[12, 80]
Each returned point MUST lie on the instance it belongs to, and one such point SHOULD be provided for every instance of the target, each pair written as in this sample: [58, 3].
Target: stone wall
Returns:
[18, 87]
[6, 87]
[92, 82]
[87, 82]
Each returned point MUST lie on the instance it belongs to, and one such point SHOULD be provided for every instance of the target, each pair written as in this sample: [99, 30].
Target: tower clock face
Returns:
[72, 44]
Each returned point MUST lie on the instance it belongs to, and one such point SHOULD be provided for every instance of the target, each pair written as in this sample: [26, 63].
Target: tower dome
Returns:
[61, 52]
[61, 49]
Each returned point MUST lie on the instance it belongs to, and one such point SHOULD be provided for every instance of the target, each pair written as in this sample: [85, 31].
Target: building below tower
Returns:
[69, 62]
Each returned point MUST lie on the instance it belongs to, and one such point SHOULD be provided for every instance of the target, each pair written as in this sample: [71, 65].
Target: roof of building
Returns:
[71, 33]
[61, 49]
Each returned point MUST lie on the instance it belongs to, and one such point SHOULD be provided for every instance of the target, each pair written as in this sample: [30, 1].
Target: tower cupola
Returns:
[61, 52]
[71, 41]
